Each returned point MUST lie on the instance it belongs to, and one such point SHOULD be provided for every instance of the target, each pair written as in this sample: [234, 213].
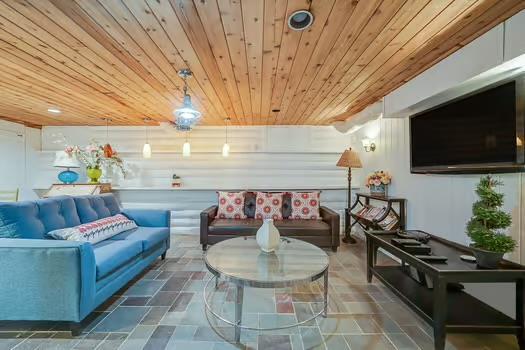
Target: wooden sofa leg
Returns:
[163, 256]
[204, 247]
[75, 328]
[334, 248]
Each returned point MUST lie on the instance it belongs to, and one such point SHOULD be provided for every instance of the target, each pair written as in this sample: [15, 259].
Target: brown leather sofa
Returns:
[323, 233]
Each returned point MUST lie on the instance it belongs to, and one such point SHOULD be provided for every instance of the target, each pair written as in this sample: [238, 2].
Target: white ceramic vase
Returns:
[268, 237]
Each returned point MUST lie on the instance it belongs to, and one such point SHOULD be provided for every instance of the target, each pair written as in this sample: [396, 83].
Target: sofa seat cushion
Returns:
[302, 227]
[111, 255]
[148, 236]
[290, 228]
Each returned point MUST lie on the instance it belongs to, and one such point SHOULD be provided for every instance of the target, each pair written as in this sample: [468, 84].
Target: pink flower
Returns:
[69, 150]
[377, 182]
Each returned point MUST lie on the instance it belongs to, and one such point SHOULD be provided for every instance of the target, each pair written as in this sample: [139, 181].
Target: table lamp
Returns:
[68, 161]
[349, 159]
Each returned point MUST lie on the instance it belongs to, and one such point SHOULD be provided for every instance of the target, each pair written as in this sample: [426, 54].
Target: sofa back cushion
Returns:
[250, 204]
[34, 219]
[91, 208]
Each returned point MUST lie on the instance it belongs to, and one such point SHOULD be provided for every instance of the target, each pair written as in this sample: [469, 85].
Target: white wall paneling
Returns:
[261, 158]
[18, 150]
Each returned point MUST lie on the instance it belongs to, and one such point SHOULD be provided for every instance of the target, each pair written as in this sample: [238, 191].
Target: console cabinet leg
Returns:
[520, 299]
[371, 257]
[440, 314]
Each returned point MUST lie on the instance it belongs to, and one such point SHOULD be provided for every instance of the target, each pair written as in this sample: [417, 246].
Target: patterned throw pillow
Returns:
[305, 205]
[96, 231]
[231, 205]
[269, 206]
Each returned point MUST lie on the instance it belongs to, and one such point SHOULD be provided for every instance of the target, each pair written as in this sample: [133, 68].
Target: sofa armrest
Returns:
[149, 217]
[46, 279]
[331, 217]
[207, 216]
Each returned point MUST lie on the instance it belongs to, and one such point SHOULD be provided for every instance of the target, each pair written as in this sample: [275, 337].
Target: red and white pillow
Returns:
[269, 206]
[96, 231]
[305, 205]
[231, 205]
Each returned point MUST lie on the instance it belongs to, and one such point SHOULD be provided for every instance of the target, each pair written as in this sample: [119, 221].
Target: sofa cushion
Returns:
[34, 219]
[249, 204]
[290, 228]
[148, 236]
[269, 205]
[95, 231]
[111, 255]
[300, 227]
[91, 208]
[231, 205]
[305, 205]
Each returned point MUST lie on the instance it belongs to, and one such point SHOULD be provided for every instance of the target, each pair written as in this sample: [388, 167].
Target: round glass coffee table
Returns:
[241, 262]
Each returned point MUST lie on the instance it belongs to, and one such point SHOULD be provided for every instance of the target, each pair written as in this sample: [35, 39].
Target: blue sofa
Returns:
[55, 280]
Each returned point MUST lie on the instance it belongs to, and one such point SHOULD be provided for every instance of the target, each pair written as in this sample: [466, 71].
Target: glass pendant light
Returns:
[186, 148]
[146, 150]
[226, 146]
[186, 115]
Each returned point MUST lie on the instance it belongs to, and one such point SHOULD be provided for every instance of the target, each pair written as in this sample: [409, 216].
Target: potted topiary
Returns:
[487, 226]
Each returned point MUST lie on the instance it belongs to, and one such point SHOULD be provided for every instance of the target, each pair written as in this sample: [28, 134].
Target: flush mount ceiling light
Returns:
[54, 110]
[186, 116]
[300, 20]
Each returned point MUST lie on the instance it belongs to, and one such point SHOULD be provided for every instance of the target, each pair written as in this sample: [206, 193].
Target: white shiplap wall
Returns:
[261, 158]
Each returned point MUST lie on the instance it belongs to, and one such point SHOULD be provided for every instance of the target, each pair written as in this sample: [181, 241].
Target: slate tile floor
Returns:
[163, 309]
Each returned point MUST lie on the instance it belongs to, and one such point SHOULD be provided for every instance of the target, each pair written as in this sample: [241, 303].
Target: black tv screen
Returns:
[477, 133]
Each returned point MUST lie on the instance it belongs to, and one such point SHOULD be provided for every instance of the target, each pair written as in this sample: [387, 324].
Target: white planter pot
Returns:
[268, 237]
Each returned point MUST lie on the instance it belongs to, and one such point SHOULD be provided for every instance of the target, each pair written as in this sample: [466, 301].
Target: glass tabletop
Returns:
[241, 260]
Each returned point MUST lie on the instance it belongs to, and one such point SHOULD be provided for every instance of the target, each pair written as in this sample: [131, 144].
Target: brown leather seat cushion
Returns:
[288, 228]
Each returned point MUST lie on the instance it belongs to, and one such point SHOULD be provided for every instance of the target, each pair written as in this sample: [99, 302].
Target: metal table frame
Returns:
[241, 283]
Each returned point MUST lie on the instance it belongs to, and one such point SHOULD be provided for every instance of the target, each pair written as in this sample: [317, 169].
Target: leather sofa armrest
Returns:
[331, 217]
[207, 216]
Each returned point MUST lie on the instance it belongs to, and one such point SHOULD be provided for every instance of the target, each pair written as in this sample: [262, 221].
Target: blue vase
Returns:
[68, 176]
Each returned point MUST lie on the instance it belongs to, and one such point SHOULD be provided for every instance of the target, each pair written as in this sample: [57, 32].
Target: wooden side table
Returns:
[448, 311]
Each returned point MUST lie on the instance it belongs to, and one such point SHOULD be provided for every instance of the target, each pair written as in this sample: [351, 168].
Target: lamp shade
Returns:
[349, 159]
[146, 150]
[186, 149]
[65, 160]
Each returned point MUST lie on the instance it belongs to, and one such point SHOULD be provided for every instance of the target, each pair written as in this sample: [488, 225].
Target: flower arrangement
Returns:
[378, 178]
[94, 156]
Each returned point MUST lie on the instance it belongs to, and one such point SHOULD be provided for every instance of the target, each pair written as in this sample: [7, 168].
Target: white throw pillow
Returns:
[96, 231]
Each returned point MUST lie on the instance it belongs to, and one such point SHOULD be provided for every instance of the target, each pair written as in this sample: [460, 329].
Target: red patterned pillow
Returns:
[231, 205]
[269, 206]
[305, 205]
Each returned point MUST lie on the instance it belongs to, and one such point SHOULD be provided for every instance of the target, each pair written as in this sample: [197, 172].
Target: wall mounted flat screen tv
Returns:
[482, 132]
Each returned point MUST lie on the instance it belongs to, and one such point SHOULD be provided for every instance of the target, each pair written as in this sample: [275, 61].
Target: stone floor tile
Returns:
[138, 338]
[184, 332]
[402, 342]
[110, 304]
[338, 325]
[181, 301]
[175, 284]
[163, 299]
[124, 319]
[136, 301]
[189, 345]
[369, 342]
[10, 339]
[35, 340]
[335, 341]
[312, 338]
[155, 315]
[159, 338]
[303, 312]
[274, 342]
[113, 341]
[359, 308]
[144, 288]
[90, 341]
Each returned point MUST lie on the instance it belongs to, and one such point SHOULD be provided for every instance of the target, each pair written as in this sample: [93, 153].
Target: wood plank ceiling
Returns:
[119, 58]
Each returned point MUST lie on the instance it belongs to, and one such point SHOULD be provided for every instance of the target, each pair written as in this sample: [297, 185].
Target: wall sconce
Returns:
[368, 145]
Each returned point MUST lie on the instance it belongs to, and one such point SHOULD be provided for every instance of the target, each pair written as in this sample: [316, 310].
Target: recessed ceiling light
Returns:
[300, 20]
[54, 110]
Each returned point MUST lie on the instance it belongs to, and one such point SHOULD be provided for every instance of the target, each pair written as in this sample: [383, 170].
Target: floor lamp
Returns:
[349, 159]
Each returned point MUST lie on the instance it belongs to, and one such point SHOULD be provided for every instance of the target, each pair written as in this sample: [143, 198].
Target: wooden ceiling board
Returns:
[444, 40]
[119, 58]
